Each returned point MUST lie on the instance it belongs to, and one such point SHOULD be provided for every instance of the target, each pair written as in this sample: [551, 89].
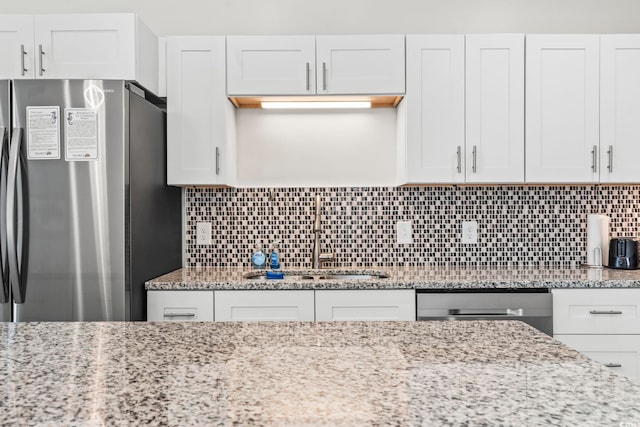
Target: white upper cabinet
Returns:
[562, 108]
[79, 46]
[434, 109]
[495, 108]
[271, 65]
[309, 65]
[16, 47]
[619, 108]
[200, 118]
[360, 64]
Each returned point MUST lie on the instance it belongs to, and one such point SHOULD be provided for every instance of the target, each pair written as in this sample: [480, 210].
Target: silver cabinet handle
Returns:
[613, 365]
[594, 159]
[23, 53]
[217, 161]
[474, 166]
[605, 312]
[4, 270]
[172, 315]
[324, 76]
[308, 77]
[17, 212]
[42, 70]
[459, 154]
[610, 155]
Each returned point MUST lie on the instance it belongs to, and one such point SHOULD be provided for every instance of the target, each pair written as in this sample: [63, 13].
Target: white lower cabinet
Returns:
[194, 306]
[618, 352]
[602, 324]
[285, 305]
[392, 304]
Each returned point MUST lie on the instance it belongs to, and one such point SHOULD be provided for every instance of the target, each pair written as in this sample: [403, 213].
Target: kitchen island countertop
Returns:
[303, 373]
[404, 278]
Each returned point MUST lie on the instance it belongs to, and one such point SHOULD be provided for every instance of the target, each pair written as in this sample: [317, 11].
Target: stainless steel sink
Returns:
[349, 276]
[263, 276]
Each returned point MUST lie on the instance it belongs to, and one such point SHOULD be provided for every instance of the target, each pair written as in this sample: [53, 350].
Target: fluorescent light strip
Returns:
[315, 105]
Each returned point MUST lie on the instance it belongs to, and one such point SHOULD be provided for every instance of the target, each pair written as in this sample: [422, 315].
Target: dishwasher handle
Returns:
[504, 312]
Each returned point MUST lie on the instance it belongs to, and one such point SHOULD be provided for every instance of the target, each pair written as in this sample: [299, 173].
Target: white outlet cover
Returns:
[203, 233]
[469, 232]
[404, 232]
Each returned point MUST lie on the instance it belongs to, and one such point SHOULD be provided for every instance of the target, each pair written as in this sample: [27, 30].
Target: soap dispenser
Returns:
[274, 257]
[258, 258]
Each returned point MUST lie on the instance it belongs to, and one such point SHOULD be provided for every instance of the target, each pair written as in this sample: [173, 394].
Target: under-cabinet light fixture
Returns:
[314, 105]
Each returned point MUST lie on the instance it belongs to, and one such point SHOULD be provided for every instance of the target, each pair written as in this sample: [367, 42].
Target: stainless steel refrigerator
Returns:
[86, 216]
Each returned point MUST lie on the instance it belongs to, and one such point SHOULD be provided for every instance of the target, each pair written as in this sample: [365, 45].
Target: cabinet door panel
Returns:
[16, 47]
[93, 46]
[562, 108]
[392, 304]
[435, 109]
[596, 311]
[286, 305]
[198, 113]
[620, 108]
[193, 306]
[621, 353]
[360, 64]
[495, 108]
[270, 65]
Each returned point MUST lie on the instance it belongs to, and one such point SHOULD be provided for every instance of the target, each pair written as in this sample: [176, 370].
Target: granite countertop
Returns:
[303, 373]
[404, 278]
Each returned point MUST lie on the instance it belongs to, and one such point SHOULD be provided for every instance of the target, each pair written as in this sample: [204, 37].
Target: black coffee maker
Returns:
[623, 253]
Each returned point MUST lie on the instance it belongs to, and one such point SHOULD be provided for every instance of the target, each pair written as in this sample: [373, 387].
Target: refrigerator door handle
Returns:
[4, 263]
[15, 214]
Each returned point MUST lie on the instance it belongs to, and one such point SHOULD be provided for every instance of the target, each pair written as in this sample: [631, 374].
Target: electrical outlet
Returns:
[404, 232]
[470, 232]
[203, 233]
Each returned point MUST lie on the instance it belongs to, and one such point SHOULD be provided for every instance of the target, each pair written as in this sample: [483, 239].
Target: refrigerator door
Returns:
[5, 134]
[72, 230]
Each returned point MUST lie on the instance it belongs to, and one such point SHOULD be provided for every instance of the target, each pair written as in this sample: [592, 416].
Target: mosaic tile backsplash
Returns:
[517, 225]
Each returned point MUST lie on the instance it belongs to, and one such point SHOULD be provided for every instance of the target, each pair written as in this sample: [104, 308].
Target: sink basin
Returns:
[263, 276]
[351, 276]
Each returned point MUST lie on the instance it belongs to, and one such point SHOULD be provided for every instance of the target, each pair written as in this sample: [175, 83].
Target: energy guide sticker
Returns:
[43, 129]
[80, 134]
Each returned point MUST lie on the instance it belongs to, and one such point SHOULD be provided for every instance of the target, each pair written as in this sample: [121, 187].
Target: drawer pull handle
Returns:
[605, 312]
[613, 365]
[180, 315]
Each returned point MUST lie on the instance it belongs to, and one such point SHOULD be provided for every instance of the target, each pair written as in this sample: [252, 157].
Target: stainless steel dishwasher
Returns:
[532, 306]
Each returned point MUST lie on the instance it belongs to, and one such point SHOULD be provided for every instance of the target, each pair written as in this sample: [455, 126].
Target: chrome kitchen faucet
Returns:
[318, 257]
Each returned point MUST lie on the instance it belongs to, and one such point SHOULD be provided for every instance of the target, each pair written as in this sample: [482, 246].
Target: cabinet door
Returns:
[392, 304]
[435, 109]
[193, 306]
[596, 311]
[271, 65]
[85, 46]
[621, 353]
[199, 116]
[286, 305]
[16, 47]
[562, 108]
[495, 108]
[619, 108]
[360, 64]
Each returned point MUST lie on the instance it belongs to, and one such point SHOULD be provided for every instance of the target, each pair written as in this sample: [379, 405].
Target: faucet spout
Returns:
[317, 257]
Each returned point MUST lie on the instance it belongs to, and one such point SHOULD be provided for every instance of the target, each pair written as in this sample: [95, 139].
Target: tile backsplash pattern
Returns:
[517, 225]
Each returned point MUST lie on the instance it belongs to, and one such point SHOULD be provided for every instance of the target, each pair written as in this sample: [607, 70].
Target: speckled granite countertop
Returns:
[302, 373]
[405, 278]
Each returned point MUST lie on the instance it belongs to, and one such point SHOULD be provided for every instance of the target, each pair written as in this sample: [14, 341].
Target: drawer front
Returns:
[596, 311]
[396, 304]
[621, 353]
[264, 305]
[192, 306]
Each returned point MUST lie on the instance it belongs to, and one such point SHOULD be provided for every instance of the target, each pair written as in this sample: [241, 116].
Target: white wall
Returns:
[173, 17]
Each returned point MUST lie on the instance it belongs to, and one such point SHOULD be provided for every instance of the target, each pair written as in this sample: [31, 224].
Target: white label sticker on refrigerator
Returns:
[43, 129]
[80, 134]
